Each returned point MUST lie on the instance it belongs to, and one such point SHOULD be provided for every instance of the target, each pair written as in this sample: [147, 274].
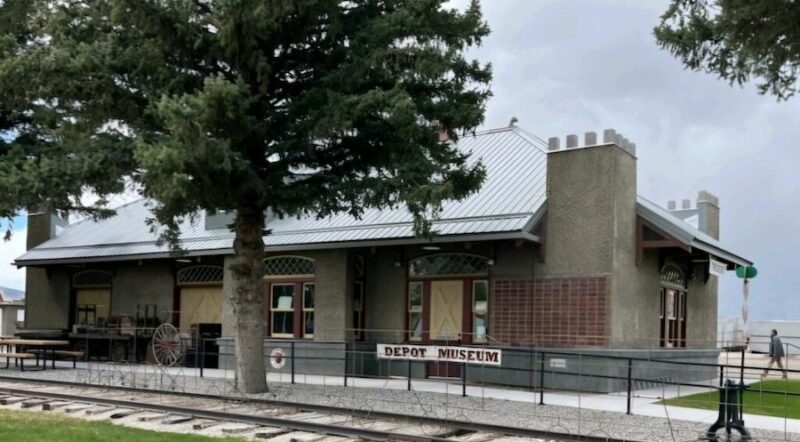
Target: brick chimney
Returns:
[591, 223]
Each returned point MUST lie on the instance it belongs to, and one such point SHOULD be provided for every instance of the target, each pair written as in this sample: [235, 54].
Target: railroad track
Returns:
[262, 419]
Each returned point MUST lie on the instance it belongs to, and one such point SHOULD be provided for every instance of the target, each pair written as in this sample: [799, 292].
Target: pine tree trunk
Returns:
[248, 270]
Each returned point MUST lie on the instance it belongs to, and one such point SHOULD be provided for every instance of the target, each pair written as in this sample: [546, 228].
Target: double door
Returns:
[673, 318]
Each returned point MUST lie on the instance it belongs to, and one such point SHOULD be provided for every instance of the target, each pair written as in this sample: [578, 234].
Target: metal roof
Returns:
[510, 202]
[685, 233]
[513, 191]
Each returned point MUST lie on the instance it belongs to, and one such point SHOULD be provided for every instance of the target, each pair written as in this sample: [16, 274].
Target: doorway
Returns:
[447, 319]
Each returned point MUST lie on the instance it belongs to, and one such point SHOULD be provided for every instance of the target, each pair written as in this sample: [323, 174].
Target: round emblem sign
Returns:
[277, 358]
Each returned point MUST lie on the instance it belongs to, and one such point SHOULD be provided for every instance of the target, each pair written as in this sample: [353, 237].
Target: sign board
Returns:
[716, 268]
[277, 358]
[464, 355]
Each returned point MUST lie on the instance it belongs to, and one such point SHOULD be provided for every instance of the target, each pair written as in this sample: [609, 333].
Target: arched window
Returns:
[673, 276]
[449, 264]
[91, 278]
[281, 266]
[201, 274]
[291, 296]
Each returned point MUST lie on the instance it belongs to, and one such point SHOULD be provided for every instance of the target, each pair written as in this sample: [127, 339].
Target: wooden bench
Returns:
[74, 355]
[18, 357]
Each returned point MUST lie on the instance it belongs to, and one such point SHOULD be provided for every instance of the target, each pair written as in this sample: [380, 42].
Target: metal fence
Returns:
[590, 391]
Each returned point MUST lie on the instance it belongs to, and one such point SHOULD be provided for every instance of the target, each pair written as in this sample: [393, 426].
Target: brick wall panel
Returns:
[564, 312]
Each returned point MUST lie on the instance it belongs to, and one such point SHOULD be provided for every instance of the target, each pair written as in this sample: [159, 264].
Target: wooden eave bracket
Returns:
[642, 244]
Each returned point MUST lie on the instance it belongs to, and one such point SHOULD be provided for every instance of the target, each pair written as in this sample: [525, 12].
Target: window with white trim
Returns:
[480, 310]
[282, 310]
[290, 288]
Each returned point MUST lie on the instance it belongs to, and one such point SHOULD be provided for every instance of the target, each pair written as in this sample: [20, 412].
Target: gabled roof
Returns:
[508, 205]
[684, 232]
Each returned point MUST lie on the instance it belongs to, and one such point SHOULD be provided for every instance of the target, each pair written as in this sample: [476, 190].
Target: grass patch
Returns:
[756, 399]
[32, 426]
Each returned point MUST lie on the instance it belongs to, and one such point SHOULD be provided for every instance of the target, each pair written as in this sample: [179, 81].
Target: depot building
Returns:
[557, 250]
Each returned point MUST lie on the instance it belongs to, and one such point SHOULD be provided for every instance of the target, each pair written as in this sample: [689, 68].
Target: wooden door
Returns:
[200, 305]
[446, 322]
[447, 310]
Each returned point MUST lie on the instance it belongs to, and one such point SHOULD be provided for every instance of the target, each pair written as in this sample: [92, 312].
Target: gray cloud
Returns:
[570, 67]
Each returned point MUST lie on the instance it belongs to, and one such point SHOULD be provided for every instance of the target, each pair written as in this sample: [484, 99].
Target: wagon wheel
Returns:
[167, 345]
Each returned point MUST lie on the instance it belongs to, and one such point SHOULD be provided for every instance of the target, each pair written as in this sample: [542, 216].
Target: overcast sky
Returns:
[574, 66]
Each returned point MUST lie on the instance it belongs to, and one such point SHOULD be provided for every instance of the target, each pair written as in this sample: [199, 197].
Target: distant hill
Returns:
[11, 294]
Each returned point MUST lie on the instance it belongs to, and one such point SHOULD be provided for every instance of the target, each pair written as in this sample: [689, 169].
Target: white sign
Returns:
[716, 268]
[465, 355]
[277, 358]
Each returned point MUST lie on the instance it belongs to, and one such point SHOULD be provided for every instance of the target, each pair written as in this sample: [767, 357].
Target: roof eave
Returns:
[496, 236]
[718, 253]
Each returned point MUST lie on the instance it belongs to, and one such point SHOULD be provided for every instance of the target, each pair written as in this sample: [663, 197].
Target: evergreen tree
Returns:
[737, 39]
[305, 107]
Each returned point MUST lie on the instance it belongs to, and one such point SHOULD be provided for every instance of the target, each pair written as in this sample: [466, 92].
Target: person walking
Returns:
[776, 354]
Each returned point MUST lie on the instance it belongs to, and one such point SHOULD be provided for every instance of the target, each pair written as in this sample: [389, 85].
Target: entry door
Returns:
[673, 318]
[200, 305]
[447, 310]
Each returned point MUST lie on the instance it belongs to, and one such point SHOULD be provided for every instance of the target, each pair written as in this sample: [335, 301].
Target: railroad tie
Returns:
[34, 403]
[153, 417]
[202, 425]
[50, 406]
[99, 410]
[125, 413]
[240, 430]
[11, 400]
[76, 408]
[271, 432]
[178, 419]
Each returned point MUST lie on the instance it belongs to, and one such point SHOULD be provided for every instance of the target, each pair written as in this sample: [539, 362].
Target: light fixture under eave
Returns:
[431, 248]
[187, 260]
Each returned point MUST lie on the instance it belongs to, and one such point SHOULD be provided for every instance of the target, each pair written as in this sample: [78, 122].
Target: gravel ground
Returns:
[567, 420]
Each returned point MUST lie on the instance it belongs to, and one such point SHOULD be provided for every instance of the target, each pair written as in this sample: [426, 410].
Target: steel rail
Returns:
[296, 425]
[312, 427]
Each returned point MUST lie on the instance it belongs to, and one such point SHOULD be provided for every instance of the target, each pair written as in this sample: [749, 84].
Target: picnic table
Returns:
[47, 346]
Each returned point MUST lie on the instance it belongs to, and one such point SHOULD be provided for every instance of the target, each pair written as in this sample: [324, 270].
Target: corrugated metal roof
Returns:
[511, 199]
[513, 191]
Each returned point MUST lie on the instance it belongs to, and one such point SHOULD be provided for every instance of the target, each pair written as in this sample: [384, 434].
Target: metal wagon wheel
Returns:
[167, 345]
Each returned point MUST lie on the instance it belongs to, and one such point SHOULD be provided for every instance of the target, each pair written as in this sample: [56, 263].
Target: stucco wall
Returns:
[385, 296]
[47, 299]
[701, 312]
[514, 261]
[580, 212]
[333, 301]
[151, 282]
[636, 305]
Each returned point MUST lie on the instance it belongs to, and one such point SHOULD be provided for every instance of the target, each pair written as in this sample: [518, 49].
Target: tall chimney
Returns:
[708, 213]
[591, 203]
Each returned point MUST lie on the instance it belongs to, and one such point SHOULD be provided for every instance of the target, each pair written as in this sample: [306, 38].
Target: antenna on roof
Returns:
[514, 120]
